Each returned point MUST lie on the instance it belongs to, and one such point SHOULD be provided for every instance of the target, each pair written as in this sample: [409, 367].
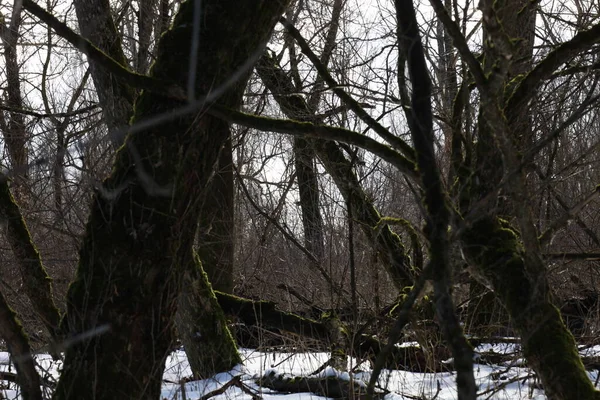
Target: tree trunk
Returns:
[308, 186]
[517, 274]
[144, 22]
[122, 303]
[36, 282]
[15, 136]
[304, 153]
[207, 352]
[216, 233]
[116, 97]
[18, 346]
[494, 250]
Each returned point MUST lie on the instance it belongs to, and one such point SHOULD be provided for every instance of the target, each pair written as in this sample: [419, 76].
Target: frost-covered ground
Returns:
[510, 381]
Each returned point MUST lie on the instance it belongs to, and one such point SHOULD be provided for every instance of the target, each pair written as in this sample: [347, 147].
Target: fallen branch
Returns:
[233, 382]
[330, 386]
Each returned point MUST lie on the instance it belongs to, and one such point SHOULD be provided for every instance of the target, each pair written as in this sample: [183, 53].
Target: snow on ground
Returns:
[500, 382]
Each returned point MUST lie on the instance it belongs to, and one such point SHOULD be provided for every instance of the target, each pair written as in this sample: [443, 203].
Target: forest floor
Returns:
[251, 380]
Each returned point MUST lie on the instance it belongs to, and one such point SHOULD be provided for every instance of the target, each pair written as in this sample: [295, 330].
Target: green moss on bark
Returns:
[493, 249]
[208, 339]
[265, 313]
[36, 281]
[216, 225]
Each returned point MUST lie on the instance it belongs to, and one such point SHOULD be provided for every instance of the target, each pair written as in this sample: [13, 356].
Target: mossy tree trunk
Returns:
[216, 233]
[116, 97]
[207, 352]
[201, 324]
[511, 264]
[36, 281]
[216, 219]
[494, 249]
[140, 232]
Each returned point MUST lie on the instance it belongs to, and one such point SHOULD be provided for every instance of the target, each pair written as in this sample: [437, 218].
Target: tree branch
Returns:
[392, 139]
[526, 89]
[587, 256]
[36, 282]
[460, 43]
[12, 331]
[435, 199]
[568, 215]
[310, 130]
[35, 114]
[133, 79]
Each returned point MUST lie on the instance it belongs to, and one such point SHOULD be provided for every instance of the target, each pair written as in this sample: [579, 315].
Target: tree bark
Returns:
[144, 22]
[116, 97]
[36, 282]
[304, 153]
[201, 324]
[207, 352]
[517, 274]
[122, 303]
[308, 187]
[216, 234]
[493, 248]
[216, 219]
[18, 346]
[15, 135]
[435, 199]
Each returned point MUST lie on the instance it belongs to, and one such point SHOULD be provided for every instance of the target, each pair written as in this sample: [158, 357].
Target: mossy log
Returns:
[264, 314]
[493, 249]
[330, 386]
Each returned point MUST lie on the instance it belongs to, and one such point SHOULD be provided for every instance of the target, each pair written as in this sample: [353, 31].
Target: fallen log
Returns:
[263, 321]
[265, 314]
[328, 386]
